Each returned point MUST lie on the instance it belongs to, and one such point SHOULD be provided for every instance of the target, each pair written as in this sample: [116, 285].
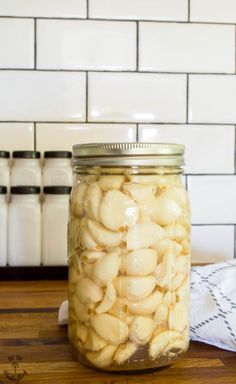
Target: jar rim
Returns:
[129, 154]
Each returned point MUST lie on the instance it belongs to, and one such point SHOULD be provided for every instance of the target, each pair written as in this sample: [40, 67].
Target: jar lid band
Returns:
[25, 190]
[3, 190]
[57, 155]
[4, 154]
[26, 155]
[57, 190]
[129, 154]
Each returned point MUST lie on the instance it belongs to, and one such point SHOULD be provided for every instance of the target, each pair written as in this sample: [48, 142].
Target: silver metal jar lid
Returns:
[128, 154]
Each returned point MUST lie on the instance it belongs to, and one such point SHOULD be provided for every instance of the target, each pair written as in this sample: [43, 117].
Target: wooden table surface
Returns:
[29, 330]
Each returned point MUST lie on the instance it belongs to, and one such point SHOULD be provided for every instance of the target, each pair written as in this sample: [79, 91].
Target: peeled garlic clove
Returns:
[178, 194]
[94, 342]
[139, 192]
[102, 358]
[141, 330]
[160, 342]
[83, 312]
[77, 200]
[110, 328]
[103, 236]
[182, 264]
[169, 298]
[177, 345]
[74, 276]
[186, 247]
[166, 211]
[141, 262]
[182, 292]
[93, 200]
[88, 292]
[159, 328]
[146, 209]
[118, 211]
[124, 352]
[176, 282]
[106, 268]
[81, 332]
[108, 299]
[73, 236]
[178, 317]
[135, 288]
[91, 256]
[119, 309]
[111, 182]
[129, 319]
[88, 269]
[164, 245]
[167, 270]
[86, 240]
[161, 314]
[143, 235]
[175, 232]
[146, 306]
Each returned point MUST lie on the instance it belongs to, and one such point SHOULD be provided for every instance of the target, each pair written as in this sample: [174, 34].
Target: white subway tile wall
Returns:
[202, 151]
[44, 8]
[216, 11]
[82, 44]
[17, 136]
[218, 247]
[136, 97]
[212, 199]
[16, 43]
[36, 95]
[77, 71]
[176, 10]
[52, 137]
[212, 99]
[179, 47]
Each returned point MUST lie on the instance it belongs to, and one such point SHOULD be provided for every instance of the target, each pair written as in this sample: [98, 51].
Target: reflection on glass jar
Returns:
[129, 256]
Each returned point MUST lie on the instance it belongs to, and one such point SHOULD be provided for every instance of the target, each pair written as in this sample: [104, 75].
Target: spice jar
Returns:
[24, 227]
[54, 225]
[26, 169]
[129, 256]
[4, 169]
[3, 226]
[57, 168]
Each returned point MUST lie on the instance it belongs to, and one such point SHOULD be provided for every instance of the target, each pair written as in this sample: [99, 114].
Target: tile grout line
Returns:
[213, 225]
[87, 10]
[234, 241]
[189, 10]
[101, 122]
[186, 182]
[86, 100]
[137, 46]
[35, 137]
[187, 97]
[35, 43]
[235, 49]
[117, 20]
[235, 149]
[137, 132]
[116, 71]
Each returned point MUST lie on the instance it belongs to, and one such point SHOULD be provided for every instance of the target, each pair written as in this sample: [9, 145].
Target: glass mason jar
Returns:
[129, 256]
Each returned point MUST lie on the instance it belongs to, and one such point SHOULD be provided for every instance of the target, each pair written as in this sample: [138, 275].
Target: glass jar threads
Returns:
[129, 256]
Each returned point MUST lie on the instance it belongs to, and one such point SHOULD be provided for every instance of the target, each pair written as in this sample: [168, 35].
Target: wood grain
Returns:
[28, 327]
